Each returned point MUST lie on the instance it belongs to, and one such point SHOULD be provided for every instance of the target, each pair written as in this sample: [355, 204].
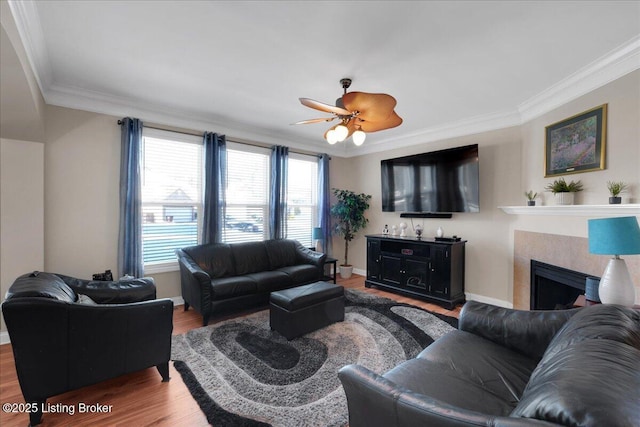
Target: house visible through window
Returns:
[171, 195]
[247, 194]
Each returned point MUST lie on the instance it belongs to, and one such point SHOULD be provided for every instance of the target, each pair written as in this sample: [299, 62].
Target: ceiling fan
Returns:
[358, 112]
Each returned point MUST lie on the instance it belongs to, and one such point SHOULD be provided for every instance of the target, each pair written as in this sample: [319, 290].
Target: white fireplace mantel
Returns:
[574, 210]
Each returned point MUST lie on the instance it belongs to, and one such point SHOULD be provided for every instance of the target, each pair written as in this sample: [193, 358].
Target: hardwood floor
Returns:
[141, 399]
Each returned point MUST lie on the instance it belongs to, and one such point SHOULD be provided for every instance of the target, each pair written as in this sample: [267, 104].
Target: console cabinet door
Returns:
[416, 274]
[391, 269]
[373, 259]
[440, 266]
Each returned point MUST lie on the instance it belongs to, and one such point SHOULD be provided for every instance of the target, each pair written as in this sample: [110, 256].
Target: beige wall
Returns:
[21, 211]
[82, 181]
[511, 162]
[488, 269]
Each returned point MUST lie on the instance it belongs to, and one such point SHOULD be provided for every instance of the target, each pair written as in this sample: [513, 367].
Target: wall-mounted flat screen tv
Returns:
[442, 181]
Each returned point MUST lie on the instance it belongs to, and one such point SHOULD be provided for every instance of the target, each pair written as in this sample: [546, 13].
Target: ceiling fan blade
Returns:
[390, 122]
[306, 122]
[373, 107]
[324, 107]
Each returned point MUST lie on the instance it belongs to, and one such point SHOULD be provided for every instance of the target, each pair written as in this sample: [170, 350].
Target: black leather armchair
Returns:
[68, 333]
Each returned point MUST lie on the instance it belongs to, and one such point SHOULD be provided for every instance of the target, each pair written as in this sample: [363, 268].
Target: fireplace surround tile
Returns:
[564, 251]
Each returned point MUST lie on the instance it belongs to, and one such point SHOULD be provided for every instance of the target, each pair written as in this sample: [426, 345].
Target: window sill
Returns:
[161, 267]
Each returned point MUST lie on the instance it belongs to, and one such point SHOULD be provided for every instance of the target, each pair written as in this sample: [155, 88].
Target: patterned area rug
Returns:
[243, 374]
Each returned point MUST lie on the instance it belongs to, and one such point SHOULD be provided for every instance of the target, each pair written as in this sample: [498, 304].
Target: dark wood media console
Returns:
[425, 268]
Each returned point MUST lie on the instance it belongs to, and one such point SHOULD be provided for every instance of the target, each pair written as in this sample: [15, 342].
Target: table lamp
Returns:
[615, 236]
[318, 237]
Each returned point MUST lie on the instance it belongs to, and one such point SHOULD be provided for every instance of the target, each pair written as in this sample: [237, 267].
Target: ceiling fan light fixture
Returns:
[341, 132]
[358, 137]
[332, 138]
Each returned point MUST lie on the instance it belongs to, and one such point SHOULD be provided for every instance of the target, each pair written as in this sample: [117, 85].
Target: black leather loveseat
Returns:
[237, 275]
[508, 368]
[68, 333]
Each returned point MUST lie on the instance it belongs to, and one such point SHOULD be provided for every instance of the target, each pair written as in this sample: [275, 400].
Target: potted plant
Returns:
[348, 212]
[564, 191]
[615, 188]
[531, 197]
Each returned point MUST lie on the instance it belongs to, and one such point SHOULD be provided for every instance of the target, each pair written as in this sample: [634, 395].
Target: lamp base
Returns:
[318, 245]
[616, 286]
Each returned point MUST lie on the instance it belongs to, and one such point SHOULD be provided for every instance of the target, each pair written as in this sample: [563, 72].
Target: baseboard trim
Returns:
[488, 300]
[4, 338]
[177, 300]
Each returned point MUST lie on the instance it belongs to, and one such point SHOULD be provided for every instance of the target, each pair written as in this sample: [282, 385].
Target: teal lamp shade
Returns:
[317, 233]
[614, 236]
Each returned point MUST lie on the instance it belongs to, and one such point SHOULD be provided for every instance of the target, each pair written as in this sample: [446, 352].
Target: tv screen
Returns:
[439, 182]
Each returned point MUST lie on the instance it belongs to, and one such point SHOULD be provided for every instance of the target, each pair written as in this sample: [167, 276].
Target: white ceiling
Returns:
[239, 67]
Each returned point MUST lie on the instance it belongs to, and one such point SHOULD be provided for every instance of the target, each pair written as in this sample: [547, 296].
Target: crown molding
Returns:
[615, 64]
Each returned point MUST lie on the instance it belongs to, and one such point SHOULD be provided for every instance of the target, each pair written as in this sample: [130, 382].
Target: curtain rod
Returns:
[193, 133]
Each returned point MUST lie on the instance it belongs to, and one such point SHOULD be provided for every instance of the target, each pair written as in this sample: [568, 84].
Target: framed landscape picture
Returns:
[576, 144]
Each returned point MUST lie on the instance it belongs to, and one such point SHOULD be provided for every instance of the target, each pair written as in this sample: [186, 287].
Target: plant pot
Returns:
[531, 202]
[346, 271]
[615, 200]
[564, 198]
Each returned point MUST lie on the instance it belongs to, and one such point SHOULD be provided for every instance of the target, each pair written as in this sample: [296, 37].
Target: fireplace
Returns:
[554, 287]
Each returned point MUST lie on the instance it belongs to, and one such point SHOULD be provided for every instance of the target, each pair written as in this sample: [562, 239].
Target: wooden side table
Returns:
[334, 269]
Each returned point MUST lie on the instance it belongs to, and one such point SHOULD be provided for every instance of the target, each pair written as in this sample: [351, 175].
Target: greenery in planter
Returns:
[531, 195]
[561, 186]
[348, 212]
[616, 187]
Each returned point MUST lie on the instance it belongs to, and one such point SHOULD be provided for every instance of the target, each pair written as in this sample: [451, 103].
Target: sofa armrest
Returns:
[195, 284]
[113, 292]
[527, 332]
[308, 256]
[371, 398]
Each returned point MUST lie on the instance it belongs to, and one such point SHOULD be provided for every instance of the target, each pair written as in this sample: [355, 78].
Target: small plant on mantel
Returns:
[531, 197]
[615, 189]
[564, 191]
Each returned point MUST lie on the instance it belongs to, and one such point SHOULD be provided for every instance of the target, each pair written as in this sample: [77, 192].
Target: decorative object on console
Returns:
[394, 230]
[615, 189]
[418, 230]
[531, 197]
[615, 236]
[349, 214]
[385, 230]
[317, 236]
[439, 232]
[359, 112]
[564, 191]
[576, 144]
[403, 229]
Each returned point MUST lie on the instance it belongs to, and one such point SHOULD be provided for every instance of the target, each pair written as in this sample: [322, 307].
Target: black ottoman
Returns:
[298, 311]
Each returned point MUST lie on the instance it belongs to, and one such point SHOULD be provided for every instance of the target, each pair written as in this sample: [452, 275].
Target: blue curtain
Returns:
[324, 201]
[278, 194]
[130, 234]
[215, 164]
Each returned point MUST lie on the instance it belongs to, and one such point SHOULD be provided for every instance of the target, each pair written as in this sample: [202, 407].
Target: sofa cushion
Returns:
[592, 382]
[227, 287]
[302, 273]
[446, 383]
[215, 259]
[39, 284]
[282, 253]
[600, 321]
[494, 368]
[250, 257]
[269, 281]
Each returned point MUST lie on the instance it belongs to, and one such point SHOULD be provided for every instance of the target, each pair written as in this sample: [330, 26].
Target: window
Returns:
[171, 196]
[302, 200]
[247, 194]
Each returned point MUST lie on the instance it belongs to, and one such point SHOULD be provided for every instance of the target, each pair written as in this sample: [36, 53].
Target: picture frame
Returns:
[576, 144]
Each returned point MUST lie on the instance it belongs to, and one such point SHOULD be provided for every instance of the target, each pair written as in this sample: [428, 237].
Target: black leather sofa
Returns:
[508, 368]
[237, 275]
[68, 333]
